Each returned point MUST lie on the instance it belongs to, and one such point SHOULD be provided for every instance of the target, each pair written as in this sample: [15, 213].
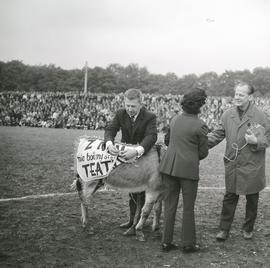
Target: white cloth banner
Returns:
[93, 161]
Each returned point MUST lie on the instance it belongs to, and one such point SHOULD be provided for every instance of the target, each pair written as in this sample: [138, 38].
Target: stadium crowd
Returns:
[94, 111]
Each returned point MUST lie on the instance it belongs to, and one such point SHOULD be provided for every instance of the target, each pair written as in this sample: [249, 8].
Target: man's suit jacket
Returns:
[187, 146]
[143, 131]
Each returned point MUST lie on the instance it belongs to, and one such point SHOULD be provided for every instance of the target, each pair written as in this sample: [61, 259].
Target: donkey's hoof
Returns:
[140, 236]
[84, 223]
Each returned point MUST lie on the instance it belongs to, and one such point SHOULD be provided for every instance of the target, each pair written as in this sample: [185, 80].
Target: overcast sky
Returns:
[180, 36]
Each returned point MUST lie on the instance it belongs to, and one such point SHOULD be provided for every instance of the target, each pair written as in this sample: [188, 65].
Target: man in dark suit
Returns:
[187, 142]
[138, 126]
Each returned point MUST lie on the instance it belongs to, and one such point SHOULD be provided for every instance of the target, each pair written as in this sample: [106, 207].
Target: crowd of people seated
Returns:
[94, 111]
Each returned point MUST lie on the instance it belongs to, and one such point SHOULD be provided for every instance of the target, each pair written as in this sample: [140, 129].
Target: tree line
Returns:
[115, 78]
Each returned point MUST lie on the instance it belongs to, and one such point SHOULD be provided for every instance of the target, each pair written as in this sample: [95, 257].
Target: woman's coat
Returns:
[187, 146]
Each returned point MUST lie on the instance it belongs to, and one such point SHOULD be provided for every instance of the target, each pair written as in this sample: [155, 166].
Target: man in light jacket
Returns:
[247, 132]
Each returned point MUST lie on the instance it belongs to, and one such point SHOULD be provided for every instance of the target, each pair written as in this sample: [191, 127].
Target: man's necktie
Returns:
[132, 119]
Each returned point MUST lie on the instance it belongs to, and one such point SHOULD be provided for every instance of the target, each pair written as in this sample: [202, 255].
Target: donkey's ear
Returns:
[103, 146]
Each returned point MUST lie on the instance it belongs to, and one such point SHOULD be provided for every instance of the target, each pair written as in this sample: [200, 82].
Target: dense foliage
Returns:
[17, 76]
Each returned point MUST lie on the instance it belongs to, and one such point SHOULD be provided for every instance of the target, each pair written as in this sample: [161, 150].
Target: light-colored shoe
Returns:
[222, 235]
[247, 235]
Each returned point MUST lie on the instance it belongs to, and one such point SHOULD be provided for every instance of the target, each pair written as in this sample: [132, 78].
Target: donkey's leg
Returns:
[84, 212]
[157, 214]
[86, 192]
[84, 217]
[84, 209]
[146, 210]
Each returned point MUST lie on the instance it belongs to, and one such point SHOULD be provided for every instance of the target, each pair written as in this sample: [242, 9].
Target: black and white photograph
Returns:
[134, 134]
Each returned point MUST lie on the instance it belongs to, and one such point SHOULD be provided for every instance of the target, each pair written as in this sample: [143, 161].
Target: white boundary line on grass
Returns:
[266, 189]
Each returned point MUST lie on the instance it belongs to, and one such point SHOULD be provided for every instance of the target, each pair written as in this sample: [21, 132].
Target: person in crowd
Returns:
[247, 132]
[138, 126]
[187, 145]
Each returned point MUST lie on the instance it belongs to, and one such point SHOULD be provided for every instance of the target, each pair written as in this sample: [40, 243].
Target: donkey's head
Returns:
[161, 149]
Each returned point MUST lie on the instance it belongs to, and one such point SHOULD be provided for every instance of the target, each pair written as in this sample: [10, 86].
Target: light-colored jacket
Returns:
[245, 173]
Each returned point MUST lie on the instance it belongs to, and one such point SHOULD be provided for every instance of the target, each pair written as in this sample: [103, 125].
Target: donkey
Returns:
[138, 175]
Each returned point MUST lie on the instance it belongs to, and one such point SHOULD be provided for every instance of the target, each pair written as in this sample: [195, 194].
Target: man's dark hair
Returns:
[193, 101]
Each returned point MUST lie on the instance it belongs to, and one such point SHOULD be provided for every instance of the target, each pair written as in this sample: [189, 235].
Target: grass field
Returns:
[46, 231]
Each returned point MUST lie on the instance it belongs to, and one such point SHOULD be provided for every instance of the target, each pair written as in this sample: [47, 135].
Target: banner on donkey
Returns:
[93, 161]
